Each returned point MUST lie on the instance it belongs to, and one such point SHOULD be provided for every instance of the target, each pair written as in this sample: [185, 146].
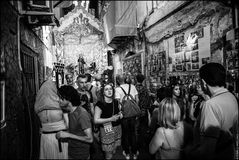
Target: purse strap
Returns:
[171, 148]
[166, 138]
[113, 107]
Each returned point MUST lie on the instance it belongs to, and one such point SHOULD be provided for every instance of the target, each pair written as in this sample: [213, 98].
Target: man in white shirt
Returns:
[219, 116]
[128, 124]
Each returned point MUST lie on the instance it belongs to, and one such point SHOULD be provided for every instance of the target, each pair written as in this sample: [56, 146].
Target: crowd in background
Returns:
[84, 118]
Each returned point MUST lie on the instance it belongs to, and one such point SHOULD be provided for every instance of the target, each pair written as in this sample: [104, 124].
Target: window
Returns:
[29, 73]
[39, 3]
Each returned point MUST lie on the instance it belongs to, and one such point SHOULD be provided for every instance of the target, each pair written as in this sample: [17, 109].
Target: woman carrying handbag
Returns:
[107, 115]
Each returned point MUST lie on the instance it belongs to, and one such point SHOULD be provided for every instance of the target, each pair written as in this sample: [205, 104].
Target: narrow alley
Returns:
[99, 79]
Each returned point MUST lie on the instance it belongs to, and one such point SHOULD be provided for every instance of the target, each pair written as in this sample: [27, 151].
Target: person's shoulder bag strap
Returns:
[91, 87]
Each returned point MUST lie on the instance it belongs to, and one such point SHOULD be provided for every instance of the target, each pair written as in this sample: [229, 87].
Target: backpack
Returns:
[129, 106]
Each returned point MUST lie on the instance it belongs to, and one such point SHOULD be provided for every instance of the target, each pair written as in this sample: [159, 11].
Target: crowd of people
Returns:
[84, 118]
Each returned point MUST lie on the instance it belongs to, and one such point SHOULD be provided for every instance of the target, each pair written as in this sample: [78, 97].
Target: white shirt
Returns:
[220, 111]
[119, 93]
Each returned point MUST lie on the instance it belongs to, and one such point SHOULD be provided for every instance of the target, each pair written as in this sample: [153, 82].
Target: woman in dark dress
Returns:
[107, 115]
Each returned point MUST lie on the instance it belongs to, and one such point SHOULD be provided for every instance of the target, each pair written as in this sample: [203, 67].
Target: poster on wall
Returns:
[157, 63]
[192, 58]
[188, 66]
[132, 65]
[232, 49]
[199, 33]
[179, 43]
[195, 56]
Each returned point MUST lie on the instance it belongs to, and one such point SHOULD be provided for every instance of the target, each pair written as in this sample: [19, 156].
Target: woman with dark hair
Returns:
[80, 130]
[176, 93]
[196, 100]
[107, 114]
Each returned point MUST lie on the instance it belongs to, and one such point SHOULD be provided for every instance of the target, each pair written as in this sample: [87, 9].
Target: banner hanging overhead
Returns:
[120, 20]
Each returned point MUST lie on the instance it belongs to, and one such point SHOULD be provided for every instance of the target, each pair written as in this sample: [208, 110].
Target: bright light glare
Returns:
[191, 41]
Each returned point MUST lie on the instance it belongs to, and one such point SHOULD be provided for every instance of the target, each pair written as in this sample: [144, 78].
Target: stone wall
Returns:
[16, 135]
[13, 134]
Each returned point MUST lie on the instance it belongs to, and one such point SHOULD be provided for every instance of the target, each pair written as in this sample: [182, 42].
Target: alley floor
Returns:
[143, 153]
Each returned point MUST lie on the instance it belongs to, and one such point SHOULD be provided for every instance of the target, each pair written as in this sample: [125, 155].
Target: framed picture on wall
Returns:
[205, 60]
[174, 68]
[188, 67]
[179, 67]
[195, 47]
[195, 66]
[179, 40]
[199, 33]
[187, 56]
[231, 64]
[195, 57]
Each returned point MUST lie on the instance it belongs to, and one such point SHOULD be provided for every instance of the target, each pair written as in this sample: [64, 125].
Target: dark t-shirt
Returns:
[79, 120]
[107, 110]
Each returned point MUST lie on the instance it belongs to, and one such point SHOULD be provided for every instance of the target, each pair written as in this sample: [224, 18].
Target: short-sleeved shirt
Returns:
[79, 120]
[119, 93]
[108, 110]
[219, 111]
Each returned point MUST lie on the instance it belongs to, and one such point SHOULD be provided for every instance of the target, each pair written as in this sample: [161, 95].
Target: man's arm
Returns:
[66, 119]
[117, 97]
[87, 138]
[89, 94]
[92, 109]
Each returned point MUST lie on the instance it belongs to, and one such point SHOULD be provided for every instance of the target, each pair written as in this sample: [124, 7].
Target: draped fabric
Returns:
[120, 20]
[47, 97]
[49, 148]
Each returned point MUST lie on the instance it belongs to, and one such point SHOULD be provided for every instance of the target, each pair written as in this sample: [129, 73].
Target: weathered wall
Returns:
[196, 15]
[193, 16]
[15, 137]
